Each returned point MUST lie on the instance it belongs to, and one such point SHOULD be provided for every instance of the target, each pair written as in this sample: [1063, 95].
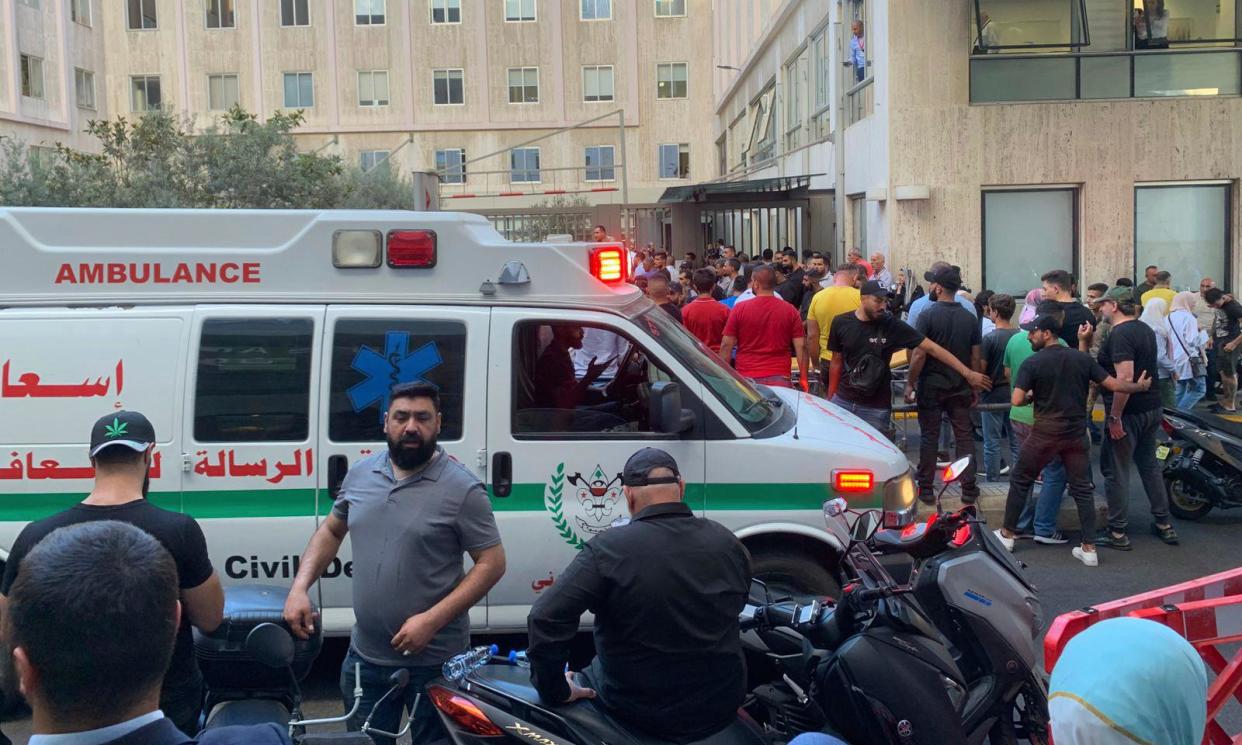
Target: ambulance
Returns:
[262, 346]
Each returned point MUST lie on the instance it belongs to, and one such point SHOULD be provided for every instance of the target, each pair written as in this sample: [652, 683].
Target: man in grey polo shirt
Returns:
[413, 512]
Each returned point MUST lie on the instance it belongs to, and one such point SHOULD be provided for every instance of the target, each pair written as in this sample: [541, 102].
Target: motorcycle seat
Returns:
[247, 711]
[1208, 420]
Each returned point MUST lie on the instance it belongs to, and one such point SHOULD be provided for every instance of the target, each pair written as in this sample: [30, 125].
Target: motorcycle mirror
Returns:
[956, 470]
[835, 520]
[759, 594]
[400, 678]
[866, 524]
[271, 645]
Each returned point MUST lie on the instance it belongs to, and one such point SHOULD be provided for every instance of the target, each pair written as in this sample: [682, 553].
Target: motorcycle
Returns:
[1202, 463]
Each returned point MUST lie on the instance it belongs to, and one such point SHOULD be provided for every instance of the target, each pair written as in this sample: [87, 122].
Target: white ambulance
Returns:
[262, 345]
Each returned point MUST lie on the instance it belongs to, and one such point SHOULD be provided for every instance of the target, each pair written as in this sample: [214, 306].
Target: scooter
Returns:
[1202, 463]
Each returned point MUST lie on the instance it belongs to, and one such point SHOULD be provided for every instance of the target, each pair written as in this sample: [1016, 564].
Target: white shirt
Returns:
[884, 277]
[602, 345]
[1159, 26]
[96, 736]
[748, 295]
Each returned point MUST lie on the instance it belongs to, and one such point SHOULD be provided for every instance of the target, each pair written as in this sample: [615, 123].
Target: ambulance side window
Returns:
[253, 382]
[370, 355]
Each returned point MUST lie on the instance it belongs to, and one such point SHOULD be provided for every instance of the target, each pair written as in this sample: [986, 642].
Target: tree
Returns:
[556, 216]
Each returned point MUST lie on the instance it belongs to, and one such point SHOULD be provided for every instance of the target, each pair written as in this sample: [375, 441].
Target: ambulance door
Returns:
[368, 350]
[556, 448]
[250, 457]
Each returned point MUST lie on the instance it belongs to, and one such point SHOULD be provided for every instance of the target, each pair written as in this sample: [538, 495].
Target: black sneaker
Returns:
[1109, 539]
[1166, 534]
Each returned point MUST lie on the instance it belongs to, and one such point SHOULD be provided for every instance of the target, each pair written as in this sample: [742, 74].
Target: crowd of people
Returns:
[1026, 383]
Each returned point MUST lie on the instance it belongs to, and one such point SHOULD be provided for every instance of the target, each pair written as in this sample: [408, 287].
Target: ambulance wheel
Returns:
[789, 573]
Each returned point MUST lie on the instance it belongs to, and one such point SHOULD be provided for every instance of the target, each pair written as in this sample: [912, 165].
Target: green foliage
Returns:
[158, 160]
[558, 215]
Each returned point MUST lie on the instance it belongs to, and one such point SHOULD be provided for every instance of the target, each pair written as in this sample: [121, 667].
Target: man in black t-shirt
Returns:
[1227, 355]
[121, 450]
[1133, 421]
[862, 344]
[1000, 310]
[1057, 379]
[1059, 298]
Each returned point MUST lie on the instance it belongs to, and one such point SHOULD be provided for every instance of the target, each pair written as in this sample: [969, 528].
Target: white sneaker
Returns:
[1008, 543]
[1004, 470]
[1090, 558]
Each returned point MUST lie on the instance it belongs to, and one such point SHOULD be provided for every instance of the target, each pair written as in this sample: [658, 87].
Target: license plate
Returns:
[1162, 452]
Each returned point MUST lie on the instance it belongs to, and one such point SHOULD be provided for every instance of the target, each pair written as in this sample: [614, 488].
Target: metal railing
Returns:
[860, 101]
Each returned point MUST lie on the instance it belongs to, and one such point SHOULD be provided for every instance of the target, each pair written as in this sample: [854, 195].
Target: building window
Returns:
[597, 83]
[451, 165]
[670, 8]
[373, 88]
[524, 165]
[1026, 233]
[762, 141]
[523, 85]
[145, 93]
[671, 80]
[141, 15]
[599, 163]
[448, 87]
[299, 90]
[675, 161]
[446, 11]
[32, 76]
[84, 87]
[1043, 26]
[295, 12]
[1185, 229]
[519, 10]
[369, 160]
[80, 11]
[369, 12]
[223, 92]
[595, 10]
[220, 14]
[858, 222]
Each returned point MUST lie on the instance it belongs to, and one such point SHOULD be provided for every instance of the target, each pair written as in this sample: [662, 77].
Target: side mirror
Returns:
[271, 645]
[665, 413]
[865, 525]
[835, 512]
[956, 470]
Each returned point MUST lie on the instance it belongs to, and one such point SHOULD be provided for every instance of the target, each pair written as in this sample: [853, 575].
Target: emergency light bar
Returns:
[852, 482]
[608, 264]
[411, 248]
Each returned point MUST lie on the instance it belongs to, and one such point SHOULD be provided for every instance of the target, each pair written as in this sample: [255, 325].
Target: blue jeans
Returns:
[1190, 392]
[1041, 513]
[994, 425]
[427, 726]
[880, 419]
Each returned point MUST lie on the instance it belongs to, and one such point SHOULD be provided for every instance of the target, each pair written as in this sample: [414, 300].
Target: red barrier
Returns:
[1207, 612]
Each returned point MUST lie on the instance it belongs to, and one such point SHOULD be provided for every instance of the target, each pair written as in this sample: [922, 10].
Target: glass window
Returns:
[369, 160]
[597, 83]
[32, 76]
[448, 87]
[1023, 26]
[299, 90]
[671, 80]
[519, 10]
[451, 165]
[1195, 74]
[1025, 234]
[222, 92]
[84, 86]
[523, 85]
[599, 163]
[369, 12]
[820, 62]
[858, 222]
[373, 88]
[675, 161]
[141, 14]
[220, 14]
[762, 135]
[80, 11]
[295, 12]
[666, 8]
[145, 93]
[1184, 229]
[524, 165]
[596, 10]
[369, 356]
[446, 11]
[253, 382]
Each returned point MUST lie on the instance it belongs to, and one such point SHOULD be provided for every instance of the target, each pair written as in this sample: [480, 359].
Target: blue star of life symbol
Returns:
[396, 365]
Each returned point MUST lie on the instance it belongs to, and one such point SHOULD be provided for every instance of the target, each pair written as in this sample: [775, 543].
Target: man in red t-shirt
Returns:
[762, 329]
[705, 317]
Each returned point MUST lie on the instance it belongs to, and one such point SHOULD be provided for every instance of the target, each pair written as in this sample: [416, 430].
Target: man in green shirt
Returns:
[1040, 516]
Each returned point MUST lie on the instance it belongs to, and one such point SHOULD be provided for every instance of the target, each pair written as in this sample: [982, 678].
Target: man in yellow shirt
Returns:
[1162, 291]
[828, 303]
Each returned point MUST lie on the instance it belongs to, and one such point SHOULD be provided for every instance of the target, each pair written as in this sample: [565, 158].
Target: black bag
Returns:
[1198, 367]
[867, 376]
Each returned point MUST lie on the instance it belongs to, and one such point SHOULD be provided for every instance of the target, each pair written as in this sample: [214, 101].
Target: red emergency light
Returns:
[411, 248]
[852, 482]
[608, 264]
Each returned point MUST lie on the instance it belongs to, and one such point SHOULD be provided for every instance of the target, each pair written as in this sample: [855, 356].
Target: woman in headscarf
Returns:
[1154, 316]
[1032, 301]
[1188, 344]
[1126, 681]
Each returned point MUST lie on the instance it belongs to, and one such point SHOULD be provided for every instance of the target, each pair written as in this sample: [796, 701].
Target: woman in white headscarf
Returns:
[1126, 681]
[1188, 351]
[1154, 316]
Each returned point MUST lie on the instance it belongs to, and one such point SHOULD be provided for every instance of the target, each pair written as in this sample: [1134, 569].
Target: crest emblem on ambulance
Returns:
[595, 503]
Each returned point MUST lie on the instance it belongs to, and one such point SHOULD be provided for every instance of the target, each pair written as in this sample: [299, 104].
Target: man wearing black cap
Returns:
[121, 449]
[1056, 378]
[666, 590]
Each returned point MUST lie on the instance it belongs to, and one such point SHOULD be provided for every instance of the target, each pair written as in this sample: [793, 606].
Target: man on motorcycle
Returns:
[666, 590]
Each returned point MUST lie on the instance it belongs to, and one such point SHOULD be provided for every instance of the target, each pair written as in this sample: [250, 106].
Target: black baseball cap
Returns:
[644, 462]
[128, 428]
[1043, 322]
[874, 287]
[948, 277]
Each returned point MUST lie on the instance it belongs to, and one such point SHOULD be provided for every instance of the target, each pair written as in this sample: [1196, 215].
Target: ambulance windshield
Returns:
[738, 393]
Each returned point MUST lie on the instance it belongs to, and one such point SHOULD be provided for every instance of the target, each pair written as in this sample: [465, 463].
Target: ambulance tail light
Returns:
[852, 482]
[411, 248]
[608, 264]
